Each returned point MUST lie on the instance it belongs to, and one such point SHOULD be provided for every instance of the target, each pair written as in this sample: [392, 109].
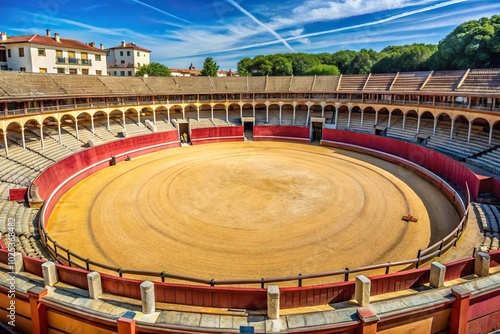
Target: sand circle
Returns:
[244, 210]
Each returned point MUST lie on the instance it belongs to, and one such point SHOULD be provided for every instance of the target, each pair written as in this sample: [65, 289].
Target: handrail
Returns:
[64, 255]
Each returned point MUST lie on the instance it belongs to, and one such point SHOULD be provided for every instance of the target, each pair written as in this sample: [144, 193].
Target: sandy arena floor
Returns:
[250, 210]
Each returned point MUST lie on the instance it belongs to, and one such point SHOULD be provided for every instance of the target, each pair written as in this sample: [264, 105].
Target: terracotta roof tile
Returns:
[51, 41]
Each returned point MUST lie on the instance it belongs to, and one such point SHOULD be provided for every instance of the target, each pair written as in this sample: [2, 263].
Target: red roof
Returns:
[129, 46]
[51, 41]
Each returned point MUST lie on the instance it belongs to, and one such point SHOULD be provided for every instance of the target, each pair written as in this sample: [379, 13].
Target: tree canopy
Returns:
[153, 70]
[210, 67]
[473, 44]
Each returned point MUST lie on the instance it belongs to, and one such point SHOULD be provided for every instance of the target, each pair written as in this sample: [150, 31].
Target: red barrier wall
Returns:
[436, 162]
[17, 194]
[217, 134]
[99, 156]
[282, 132]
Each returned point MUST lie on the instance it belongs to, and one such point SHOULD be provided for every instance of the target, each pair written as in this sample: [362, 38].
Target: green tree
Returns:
[473, 44]
[153, 70]
[261, 66]
[245, 67]
[210, 67]
[362, 62]
[342, 59]
[281, 66]
[323, 69]
[404, 58]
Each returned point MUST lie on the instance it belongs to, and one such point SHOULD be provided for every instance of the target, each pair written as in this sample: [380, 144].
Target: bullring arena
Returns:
[272, 203]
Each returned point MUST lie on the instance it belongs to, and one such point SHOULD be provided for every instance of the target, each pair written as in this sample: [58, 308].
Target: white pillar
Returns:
[267, 113]
[227, 114]
[154, 116]
[336, 116]
[92, 124]
[124, 123]
[76, 129]
[41, 136]
[322, 111]
[491, 135]
[241, 111]
[468, 133]
[293, 115]
[212, 113]
[22, 136]
[376, 117]
[389, 120]
[148, 297]
[6, 143]
[404, 121]
[59, 132]
[168, 114]
[183, 113]
[436, 279]
[138, 118]
[362, 290]
[49, 272]
[362, 116]
[349, 118]
[308, 113]
[482, 264]
[418, 123]
[435, 126]
[94, 283]
[280, 114]
[273, 302]
[109, 126]
[198, 113]
[452, 126]
[254, 110]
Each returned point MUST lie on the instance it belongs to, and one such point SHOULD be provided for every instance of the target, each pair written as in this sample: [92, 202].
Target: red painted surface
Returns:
[496, 187]
[316, 295]
[33, 266]
[459, 269]
[73, 276]
[399, 281]
[300, 133]
[216, 134]
[436, 162]
[17, 194]
[495, 258]
[483, 304]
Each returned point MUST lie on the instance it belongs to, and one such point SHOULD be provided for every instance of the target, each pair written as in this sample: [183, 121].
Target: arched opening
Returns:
[219, 115]
[234, 116]
[260, 114]
[190, 112]
[301, 114]
[32, 134]
[411, 121]
[396, 119]
[368, 119]
[163, 119]
[274, 114]
[247, 110]
[343, 114]
[355, 120]
[14, 139]
[287, 114]
[69, 133]
[480, 131]
[116, 122]
[426, 123]
[330, 114]
[460, 128]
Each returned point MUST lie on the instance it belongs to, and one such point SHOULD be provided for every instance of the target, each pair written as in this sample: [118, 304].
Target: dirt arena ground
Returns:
[250, 210]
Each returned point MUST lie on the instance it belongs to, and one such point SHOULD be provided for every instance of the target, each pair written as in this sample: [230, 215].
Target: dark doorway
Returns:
[248, 128]
[184, 132]
[317, 133]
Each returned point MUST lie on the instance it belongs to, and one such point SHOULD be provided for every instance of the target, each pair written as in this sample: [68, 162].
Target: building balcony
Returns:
[129, 65]
[73, 61]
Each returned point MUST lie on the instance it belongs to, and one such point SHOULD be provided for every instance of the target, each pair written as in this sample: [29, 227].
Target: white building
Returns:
[125, 59]
[47, 54]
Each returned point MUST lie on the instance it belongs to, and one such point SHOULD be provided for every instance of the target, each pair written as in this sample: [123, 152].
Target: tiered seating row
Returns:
[488, 217]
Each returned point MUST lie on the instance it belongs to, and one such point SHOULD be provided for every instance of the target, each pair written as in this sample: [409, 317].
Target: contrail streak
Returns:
[159, 10]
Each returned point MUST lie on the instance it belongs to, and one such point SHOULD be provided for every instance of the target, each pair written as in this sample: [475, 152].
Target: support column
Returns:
[212, 113]
[38, 311]
[94, 283]
[124, 123]
[418, 123]
[168, 114]
[273, 302]
[254, 110]
[109, 126]
[280, 114]
[376, 117]
[49, 272]
[59, 132]
[76, 129]
[138, 118]
[227, 114]
[308, 114]
[404, 120]
[459, 310]
[362, 116]
[6, 144]
[349, 117]
[198, 113]
[293, 115]
[23, 138]
[336, 117]
[491, 135]
[154, 116]
[126, 326]
[452, 126]
[183, 113]
[322, 111]
[389, 119]
[241, 111]
[41, 136]
[468, 133]
[92, 124]
[435, 126]
[267, 113]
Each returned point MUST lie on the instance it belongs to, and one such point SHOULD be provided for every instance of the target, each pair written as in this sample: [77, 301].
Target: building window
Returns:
[85, 71]
[122, 73]
[121, 53]
[8, 53]
[21, 52]
[129, 73]
[22, 69]
[41, 52]
[138, 64]
[60, 70]
[138, 53]
[97, 57]
[42, 70]
[114, 72]
[98, 72]
[128, 53]
[73, 71]
[3, 56]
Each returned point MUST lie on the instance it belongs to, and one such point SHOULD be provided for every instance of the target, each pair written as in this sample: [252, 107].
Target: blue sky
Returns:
[184, 32]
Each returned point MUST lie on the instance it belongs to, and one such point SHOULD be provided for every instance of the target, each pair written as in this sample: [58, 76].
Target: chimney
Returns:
[123, 43]
[4, 36]
[102, 46]
[56, 35]
[48, 32]
[92, 44]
